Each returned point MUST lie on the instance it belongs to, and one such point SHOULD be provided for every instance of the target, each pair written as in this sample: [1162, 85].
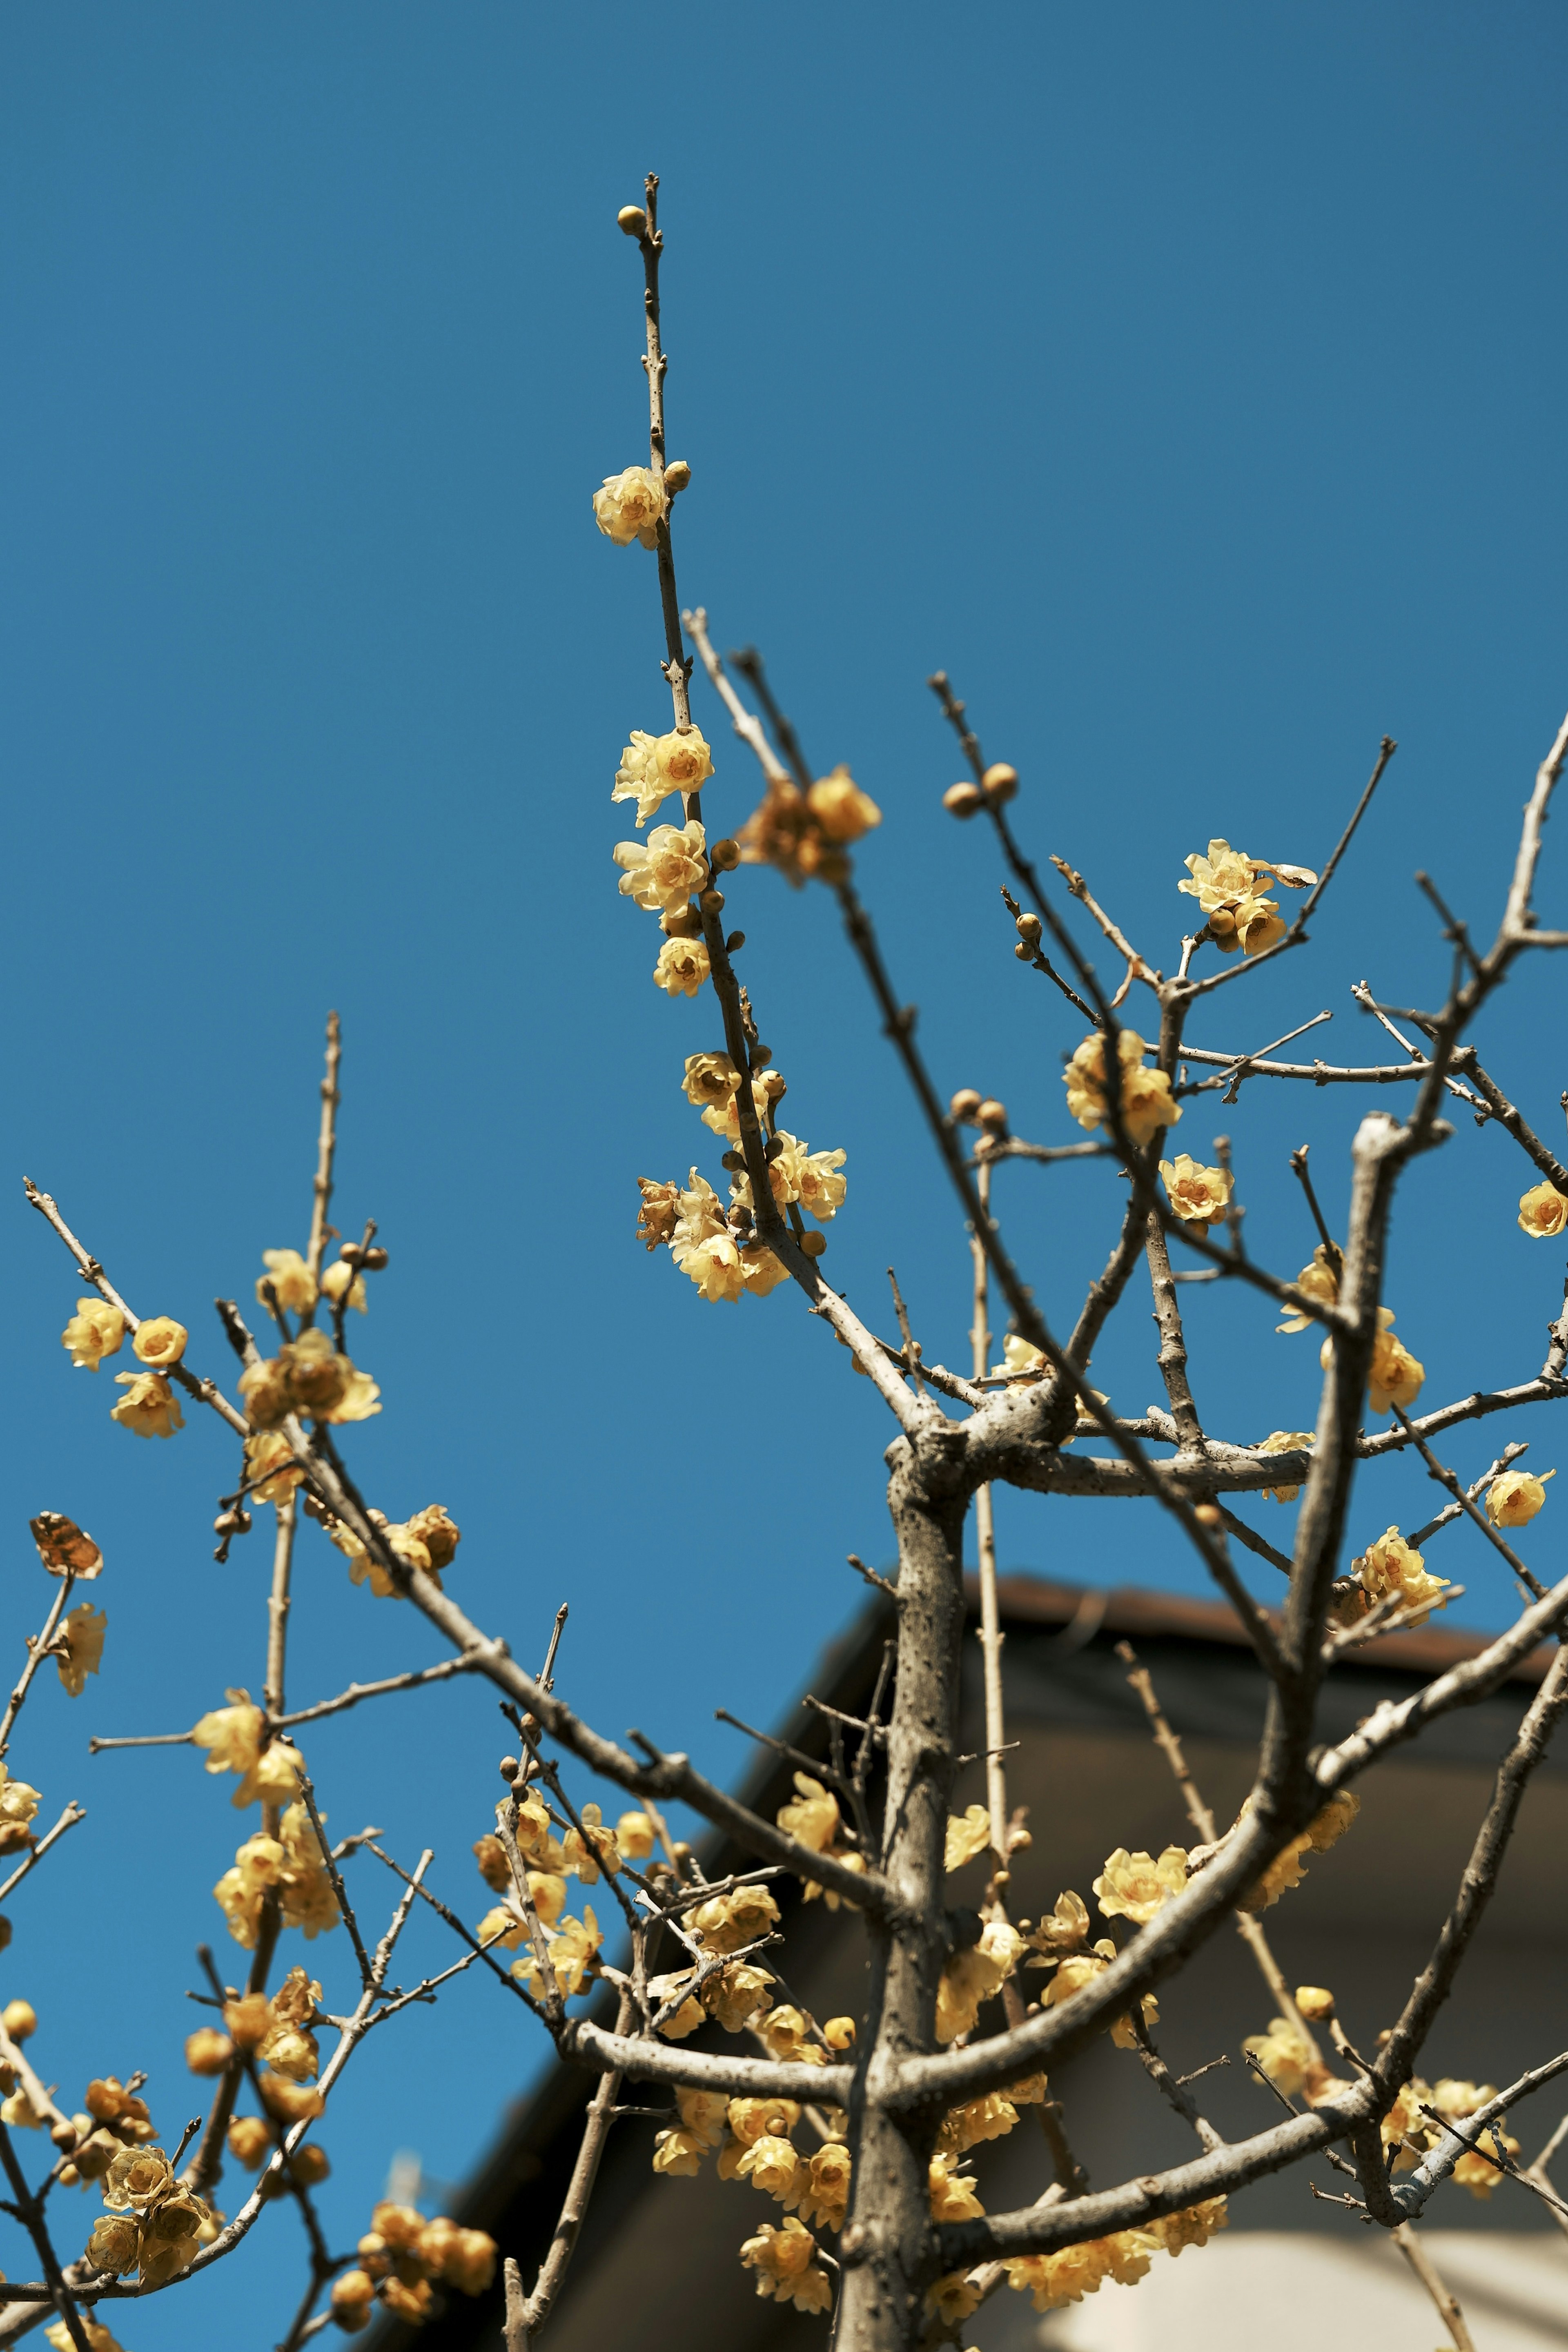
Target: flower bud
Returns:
[232, 1523]
[712, 902]
[963, 799]
[839, 2032]
[1000, 781]
[1029, 927]
[734, 943]
[631, 220]
[814, 1244]
[677, 474]
[65, 2135]
[965, 1106]
[733, 1160]
[993, 1113]
[68, 2176]
[680, 923]
[1207, 1513]
[508, 1768]
[373, 1260]
[1315, 2001]
[724, 856]
[207, 2052]
[19, 2019]
[773, 1148]
[1026, 950]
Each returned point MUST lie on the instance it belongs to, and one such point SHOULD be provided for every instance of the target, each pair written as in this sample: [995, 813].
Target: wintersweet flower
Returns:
[1285, 1441]
[1134, 1885]
[82, 1632]
[791, 2035]
[972, 1975]
[18, 1803]
[1147, 1104]
[677, 2154]
[703, 2114]
[287, 1273]
[631, 506]
[1323, 1831]
[340, 1277]
[1319, 1280]
[1080, 1969]
[652, 767]
[1543, 1213]
[819, 1188]
[1020, 1362]
[782, 2260]
[770, 2164]
[842, 810]
[951, 2298]
[94, 1331]
[824, 2195]
[160, 1341]
[1061, 1931]
[812, 1815]
[1256, 925]
[268, 1467]
[1282, 2053]
[952, 2197]
[708, 1080]
[593, 1849]
[231, 1735]
[1195, 2225]
[659, 1209]
[715, 1266]
[749, 2120]
[1198, 1195]
[762, 1270]
[1390, 1570]
[149, 1407]
[682, 967]
[737, 1996]
[1396, 1378]
[806, 836]
[1513, 1499]
[727, 1923]
[636, 1836]
[968, 1834]
[662, 873]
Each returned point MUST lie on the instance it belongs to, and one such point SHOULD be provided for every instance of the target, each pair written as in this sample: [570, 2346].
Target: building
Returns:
[657, 2262]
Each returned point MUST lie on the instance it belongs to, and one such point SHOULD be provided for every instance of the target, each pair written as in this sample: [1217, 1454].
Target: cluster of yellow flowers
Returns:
[1389, 1569]
[276, 2030]
[149, 1407]
[428, 1541]
[403, 2260]
[1146, 1102]
[1060, 1940]
[1229, 887]
[1289, 2061]
[296, 1289]
[1396, 1378]
[77, 1645]
[292, 1865]
[153, 2225]
[1288, 1865]
[813, 1818]
[784, 2262]
[806, 834]
[1412, 2132]
[1285, 1441]
[1065, 2277]
[973, 1975]
[587, 1854]
[1542, 1213]
[307, 1376]
[991, 2116]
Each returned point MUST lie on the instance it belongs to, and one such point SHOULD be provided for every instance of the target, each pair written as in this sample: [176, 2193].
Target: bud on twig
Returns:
[724, 856]
[632, 219]
[965, 1106]
[1000, 781]
[677, 474]
[964, 800]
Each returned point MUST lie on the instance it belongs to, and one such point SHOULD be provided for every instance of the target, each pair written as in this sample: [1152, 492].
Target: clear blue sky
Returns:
[1188, 383]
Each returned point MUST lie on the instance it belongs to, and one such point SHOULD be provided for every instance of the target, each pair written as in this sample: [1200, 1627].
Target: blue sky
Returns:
[1187, 384]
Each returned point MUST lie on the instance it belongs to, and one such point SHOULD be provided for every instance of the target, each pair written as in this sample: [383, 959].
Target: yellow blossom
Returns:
[1285, 1871]
[1285, 1441]
[341, 1278]
[818, 1186]
[968, 1834]
[709, 1080]
[715, 1266]
[1395, 1377]
[752, 2120]
[149, 1407]
[1513, 1499]
[848, 1859]
[81, 1631]
[812, 1817]
[653, 767]
[114, 2246]
[439, 1534]
[736, 1996]
[839, 2033]
[682, 967]
[1193, 2225]
[18, 1803]
[791, 2035]
[1543, 1213]
[703, 2114]
[1319, 1280]
[726, 1922]
[207, 2052]
[1315, 2002]
[1198, 1195]
[1061, 1931]
[762, 1271]
[659, 1214]
[160, 1341]
[841, 809]
[571, 1953]
[951, 2297]
[770, 2164]
[1390, 1570]
[1067, 2276]
[952, 2197]
[662, 873]
[1282, 2053]
[823, 2197]
[94, 1331]
[782, 2260]
[1134, 1885]
[1226, 885]
[972, 1975]
[1147, 1103]
[677, 2154]
[1080, 1969]
[99, 2337]
[231, 1735]
[287, 1273]
[65, 1548]
[630, 506]
[634, 1836]
[137, 2178]
[594, 1850]
[268, 1467]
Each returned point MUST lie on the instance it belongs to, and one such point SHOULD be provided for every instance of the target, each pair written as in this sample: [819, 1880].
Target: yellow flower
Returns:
[652, 767]
[709, 1080]
[231, 1735]
[98, 2336]
[114, 2246]
[1080, 1969]
[1316, 2002]
[762, 1270]
[340, 1277]
[819, 1188]
[1147, 1103]
[658, 1215]
[972, 1976]
[1543, 1213]
[951, 2297]
[1061, 1931]
[1198, 1195]
[1285, 1441]
[952, 2197]
[1321, 1280]
[682, 967]
[677, 2154]
[824, 2195]
[1195, 2225]
[207, 2052]
[715, 1266]
[137, 2178]
[1134, 1885]
[82, 1632]
[968, 1834]
[839, 2033]
[634, 1836]
[812, 1817]
[65, 1548]
[18, 1803]
[1282, 2054]
[1389, 1569]
[782, 2259]
[841, 809]
[630, 506]
[727, 1923]
[439, 1535]
[849, 1860]
[1019, 1360]
[1257, 924]
[1221, 881]
[662, 873]
[770, 2164]
[791, 2035]
[291, 1277]
[752, 2120]
[1513, 1499]
[1288, 1865]
[989, 2117]
[1068, 2275]
[570, 1954]
[160, 1341]
[149, 1407]
[268, 1471]
[94, 1331]
[594, 1850]
[1395, 1377]
[737, 1996]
